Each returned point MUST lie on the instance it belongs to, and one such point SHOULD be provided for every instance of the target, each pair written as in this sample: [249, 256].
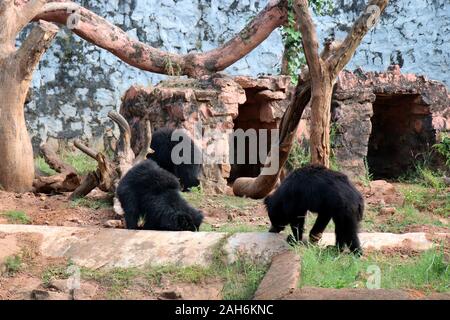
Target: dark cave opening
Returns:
[251, 115]
[401, 133]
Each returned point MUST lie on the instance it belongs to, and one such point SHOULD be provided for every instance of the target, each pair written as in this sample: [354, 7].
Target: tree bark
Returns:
[317, 84]
[322, 87]
[16, 68]
[101, 33]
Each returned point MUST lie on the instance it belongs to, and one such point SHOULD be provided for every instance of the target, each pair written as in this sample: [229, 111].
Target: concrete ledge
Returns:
[377, 241]
[109, 248]
[281, 279]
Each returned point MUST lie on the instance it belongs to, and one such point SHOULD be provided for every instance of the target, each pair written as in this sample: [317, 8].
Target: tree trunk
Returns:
[16, 166]
[320, 125]
[16, 69]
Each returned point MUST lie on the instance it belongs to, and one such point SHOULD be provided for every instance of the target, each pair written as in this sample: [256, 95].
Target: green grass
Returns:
[424, 198]
[327, 268]
[115, 280]
[82, 163]
[95, 204]
[13, 265]
[43, 166]
[16, 217]
[54, 272]
[408, 216]
[242, 278]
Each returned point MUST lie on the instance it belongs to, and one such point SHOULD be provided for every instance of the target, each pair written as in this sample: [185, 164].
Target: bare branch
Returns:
[309, 38]
[88, 151]
[100, 32]
[146, 150]
[89, 183]
[28, 11]
[54, 161]
[342, 55]
[34, 46]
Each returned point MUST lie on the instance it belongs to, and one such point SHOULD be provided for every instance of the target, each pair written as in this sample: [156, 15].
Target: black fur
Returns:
[163, 145]
[153, 194]
[328, 193]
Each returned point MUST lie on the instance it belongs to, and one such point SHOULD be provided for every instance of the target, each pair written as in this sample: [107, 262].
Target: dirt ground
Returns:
[43, 278]
[221, 211]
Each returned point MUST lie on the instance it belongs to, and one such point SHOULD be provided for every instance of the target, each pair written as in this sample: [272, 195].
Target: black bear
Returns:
[189, 170]
[328, 193]
[150, 197]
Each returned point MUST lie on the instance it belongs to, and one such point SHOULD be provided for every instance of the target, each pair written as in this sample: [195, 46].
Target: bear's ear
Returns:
[185, 223]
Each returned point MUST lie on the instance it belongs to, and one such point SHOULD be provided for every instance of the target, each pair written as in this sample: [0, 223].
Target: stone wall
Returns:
[391, 119]
[77, 84]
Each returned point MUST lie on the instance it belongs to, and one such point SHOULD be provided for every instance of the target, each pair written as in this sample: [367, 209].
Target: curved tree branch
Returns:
[100, 32]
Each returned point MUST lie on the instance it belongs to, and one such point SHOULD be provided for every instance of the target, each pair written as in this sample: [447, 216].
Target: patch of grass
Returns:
[299, 156]
[16, 217]
[115, 280]
[195, 196]
[95, 204]
[13, 265]
[43, 166]
[242, 278]
[408, 216]
[367, 178]
[327, 268]
[235, 203]
[82, 163]
[54, 272]
[426, 199]
[191, 274]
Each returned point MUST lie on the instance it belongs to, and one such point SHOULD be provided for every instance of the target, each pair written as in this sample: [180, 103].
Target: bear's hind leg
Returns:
[347, 234]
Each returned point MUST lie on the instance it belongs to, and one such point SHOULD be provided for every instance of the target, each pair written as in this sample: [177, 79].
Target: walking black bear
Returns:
[328, 193]
[163, 145]
[150, 197]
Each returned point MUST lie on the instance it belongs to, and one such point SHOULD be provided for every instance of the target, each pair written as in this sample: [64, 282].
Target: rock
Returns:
[201, 291]
[86, 291]
[447, 181]
[259, 247]
[118, 248]
[282, 277]
[169, 295]
[40, 295]
[42, 198]
[231, 216]
[113, 224]
[379, 241]
[271, 95]
[384, 193]
[381, 187]
[387, 211]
